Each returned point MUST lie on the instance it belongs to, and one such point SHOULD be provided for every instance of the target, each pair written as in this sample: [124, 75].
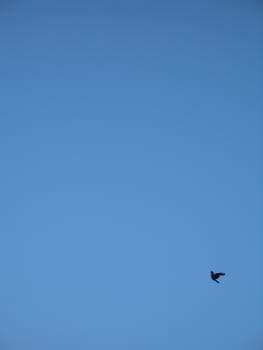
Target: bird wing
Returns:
[221, 274]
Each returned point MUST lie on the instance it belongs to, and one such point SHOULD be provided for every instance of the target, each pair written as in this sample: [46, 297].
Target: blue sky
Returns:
[130, 167]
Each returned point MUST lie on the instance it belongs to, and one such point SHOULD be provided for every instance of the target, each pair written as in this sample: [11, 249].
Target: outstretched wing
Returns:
[219, 274]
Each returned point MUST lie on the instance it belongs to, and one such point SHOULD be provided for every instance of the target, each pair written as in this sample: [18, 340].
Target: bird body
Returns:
[217, 275]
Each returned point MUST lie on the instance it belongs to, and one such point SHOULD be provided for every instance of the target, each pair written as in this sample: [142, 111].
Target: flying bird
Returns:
[217, 275]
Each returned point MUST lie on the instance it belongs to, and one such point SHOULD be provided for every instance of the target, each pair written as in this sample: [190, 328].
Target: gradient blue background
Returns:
[130, 167]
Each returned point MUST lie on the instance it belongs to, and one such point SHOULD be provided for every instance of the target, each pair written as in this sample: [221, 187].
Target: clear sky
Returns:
[130, 167]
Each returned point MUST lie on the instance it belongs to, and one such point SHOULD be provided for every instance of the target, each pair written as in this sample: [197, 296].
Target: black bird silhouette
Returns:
[215, 276]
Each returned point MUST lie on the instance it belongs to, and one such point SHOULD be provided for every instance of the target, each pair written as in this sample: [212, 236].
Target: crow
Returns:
[215, 276]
